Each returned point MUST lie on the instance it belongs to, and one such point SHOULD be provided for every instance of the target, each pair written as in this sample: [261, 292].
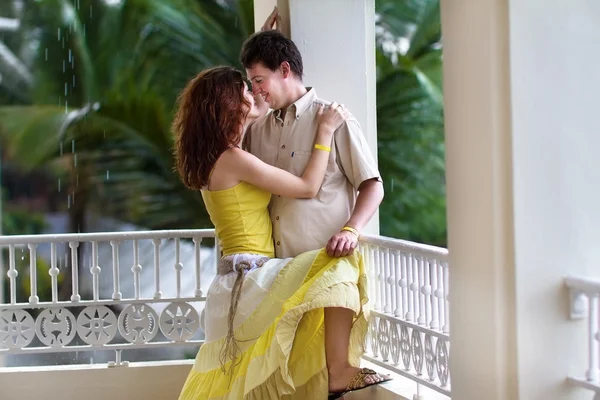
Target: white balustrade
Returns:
[95, 314]
[585, 299]
[110, 309]
[408, 328]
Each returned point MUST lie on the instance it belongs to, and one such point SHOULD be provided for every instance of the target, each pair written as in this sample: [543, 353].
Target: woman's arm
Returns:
[246, 167]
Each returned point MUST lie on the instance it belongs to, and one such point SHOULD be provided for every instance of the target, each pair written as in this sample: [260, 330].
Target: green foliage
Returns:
[106, 79]
[410, 121]
[21, 222]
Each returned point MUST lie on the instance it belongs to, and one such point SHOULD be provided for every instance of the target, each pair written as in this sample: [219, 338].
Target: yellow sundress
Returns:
[279, 323]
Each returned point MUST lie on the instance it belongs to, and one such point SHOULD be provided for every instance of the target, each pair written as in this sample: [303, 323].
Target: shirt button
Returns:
[283, 147]
[282, 124]
[278, 243]
[277, 218]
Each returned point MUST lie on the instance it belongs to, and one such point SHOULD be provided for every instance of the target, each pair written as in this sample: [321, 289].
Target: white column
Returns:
[520, 81]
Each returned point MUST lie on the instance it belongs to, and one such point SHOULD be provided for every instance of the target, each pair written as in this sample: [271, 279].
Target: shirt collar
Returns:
[302, 104]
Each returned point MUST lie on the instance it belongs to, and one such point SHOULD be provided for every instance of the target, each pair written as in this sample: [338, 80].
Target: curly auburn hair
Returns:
[209, 120]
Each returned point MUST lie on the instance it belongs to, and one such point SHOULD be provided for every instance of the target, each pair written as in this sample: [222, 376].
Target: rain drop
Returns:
[58, 185]
[107, 175]
[75, 160]
[46, 54]
[69, 201]
[73, 146]
[59, 34]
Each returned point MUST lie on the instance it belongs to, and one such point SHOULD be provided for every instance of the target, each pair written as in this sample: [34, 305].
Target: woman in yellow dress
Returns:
[275, 328]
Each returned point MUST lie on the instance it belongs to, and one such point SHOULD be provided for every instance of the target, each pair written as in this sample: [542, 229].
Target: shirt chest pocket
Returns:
[299, 159]
[297, 162]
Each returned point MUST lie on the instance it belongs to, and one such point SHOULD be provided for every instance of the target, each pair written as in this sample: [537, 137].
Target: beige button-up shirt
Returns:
[300, 225]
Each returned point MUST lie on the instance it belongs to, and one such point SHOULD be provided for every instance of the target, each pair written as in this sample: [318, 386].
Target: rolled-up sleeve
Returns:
[354, 155]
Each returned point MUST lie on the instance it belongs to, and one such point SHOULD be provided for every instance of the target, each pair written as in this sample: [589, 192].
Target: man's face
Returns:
[267, 83]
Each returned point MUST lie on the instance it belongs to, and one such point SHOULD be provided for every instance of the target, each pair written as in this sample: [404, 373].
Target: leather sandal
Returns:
[358, 382]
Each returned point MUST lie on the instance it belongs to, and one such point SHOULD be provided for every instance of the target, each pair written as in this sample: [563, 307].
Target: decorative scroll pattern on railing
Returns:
[108, 319]
[409, 326]
[585, 296]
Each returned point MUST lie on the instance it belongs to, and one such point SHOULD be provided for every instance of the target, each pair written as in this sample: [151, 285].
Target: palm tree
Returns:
[410, 120]
[105, 80]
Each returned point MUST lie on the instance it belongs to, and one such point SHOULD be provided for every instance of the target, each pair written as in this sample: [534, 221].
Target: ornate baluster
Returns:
[136, 269]
[404, 286]
[197, 243]
[415, 286]
[12, 274]
[116, 278]
[95, 270]
[75, 297]
[33, 297]
[446, 328]
[435, 323]
[384, 255]
[422, 292]
[593, 372]
[157, 292]
[54, 271]
[178, 267]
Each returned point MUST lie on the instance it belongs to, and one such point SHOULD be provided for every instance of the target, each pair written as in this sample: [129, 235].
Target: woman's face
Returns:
[254, 111]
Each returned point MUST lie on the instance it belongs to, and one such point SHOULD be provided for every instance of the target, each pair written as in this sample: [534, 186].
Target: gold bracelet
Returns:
[321, 147]
[350, 229]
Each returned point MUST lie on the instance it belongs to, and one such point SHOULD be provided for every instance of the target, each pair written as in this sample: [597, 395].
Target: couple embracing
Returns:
[289, 182]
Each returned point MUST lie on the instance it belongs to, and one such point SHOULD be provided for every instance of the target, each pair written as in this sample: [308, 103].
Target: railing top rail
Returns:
[105, 236]
[588, 285]
[405, 245]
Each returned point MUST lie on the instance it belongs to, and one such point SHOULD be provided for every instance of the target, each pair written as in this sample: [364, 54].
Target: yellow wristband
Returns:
[350, 229]
[321, 147]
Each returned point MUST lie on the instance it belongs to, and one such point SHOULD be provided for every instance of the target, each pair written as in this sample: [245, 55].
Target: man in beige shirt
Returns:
[352, 189]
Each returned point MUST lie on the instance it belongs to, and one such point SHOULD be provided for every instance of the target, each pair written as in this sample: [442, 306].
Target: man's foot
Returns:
[352, 378]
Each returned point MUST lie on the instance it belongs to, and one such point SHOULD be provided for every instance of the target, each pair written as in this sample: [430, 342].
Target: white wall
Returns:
[148, 381]
[555, 73]
[520, 86]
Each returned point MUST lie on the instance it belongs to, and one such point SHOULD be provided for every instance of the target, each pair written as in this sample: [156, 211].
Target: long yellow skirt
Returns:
[282, 341]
